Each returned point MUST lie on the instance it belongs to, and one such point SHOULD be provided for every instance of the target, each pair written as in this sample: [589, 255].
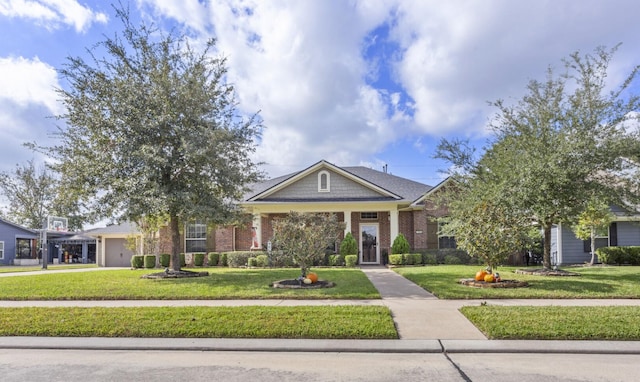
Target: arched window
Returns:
[324, 181]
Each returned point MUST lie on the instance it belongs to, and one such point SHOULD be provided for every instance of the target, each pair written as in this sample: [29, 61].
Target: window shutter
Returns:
[613, 235]
[586, 245]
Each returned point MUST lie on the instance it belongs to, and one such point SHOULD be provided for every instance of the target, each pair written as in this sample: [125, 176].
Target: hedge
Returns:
[351, 260]
[240, 258]
[137, 261]
[198, 259]
[396, 259]
[165, 259]
[619, 255]
[149, 261]
[212, 259]
[262, 261]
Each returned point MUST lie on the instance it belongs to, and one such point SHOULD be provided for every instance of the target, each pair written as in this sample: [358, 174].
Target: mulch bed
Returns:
[296, 284]
[545, 272]
[500, 284]
[171, 274]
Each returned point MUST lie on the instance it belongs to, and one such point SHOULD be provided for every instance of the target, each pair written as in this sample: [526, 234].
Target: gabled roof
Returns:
[18, 226]
[125, 228]
[389, 186]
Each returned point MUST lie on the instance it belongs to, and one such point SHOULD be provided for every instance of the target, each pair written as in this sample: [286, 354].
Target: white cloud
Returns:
[25, 81]
[52, 13]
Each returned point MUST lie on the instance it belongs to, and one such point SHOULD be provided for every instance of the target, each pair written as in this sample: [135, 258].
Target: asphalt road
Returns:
[114, 365]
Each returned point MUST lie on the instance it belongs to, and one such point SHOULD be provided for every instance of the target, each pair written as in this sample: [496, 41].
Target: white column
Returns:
[347, 222]
[394, 225]
[257, 232]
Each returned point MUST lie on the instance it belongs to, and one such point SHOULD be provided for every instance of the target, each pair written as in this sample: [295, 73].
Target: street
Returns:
[113, 365]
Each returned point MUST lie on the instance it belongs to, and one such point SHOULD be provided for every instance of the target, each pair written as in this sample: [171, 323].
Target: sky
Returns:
[370, 83]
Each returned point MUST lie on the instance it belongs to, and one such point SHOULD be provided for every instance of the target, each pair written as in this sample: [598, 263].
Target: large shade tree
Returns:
[152, 129]
[565, 141]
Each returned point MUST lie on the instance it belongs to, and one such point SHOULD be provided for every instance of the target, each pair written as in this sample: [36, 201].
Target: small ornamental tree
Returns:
[349, 246]
[595, 218]
[400, 245]
[305, 237]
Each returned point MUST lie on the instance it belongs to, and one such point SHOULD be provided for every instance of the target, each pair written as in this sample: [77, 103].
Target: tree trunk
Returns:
[546, 257]
[174, 227]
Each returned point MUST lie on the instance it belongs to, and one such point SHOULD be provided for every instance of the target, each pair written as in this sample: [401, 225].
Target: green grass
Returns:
[556, 322]
[222, 283]
[21, 268]
[594, 282]
[326, 322]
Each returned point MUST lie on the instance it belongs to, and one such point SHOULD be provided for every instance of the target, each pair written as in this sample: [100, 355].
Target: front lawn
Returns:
[593, 282]
[29, 268]
[556, 322]
[326, 322]
[222, 283]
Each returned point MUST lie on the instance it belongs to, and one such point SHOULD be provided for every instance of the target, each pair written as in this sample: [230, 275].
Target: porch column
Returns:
[393, 224]
[85, 252]
[347, 222]
[256, 232]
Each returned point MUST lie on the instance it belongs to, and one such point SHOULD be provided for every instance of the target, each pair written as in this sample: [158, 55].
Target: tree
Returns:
[595, 218]
[152, 129]
[33, 194]
[565, 141]
[348, 246]
[400, 245]
[305, 236]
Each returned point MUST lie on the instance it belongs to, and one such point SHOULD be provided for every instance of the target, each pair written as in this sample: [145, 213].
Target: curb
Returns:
[319, 345]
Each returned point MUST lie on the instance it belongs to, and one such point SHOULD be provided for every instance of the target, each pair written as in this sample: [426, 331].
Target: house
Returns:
[111, 244]
[375, 207]
[18, 244]
[566, 248]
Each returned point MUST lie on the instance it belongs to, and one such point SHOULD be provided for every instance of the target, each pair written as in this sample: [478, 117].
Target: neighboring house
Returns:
[566, 248]
[111, 246]
[18, 244]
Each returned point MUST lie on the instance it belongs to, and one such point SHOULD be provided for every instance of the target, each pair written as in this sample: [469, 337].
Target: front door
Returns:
[369, 244]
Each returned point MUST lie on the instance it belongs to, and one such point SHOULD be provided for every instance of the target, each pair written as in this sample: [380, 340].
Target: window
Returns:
[446, 239]
[324, 181]
[602, 240]
[23, 249]
[368, 216]
[196, 237]
[1, 249]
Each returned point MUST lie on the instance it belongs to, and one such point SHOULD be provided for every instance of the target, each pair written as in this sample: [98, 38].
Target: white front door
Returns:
[369, 251]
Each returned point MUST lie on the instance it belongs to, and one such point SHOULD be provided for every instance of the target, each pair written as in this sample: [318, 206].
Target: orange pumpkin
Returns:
[480, 275]
[313, 277]
[489, 278]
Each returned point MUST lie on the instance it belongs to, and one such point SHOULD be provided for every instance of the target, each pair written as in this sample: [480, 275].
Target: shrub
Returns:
[351, 260]
[212, 259]
[198, 259]
[149, 261]
[452, 260]
[262, 261]
[252, 262]
[400, 245]
[183, 260]
[416, 258]
[348, 245]
[165, 259]
[395, 259]
[336, 260]
[407, 259]
[429, 259]
[137, 261]
[619, 255]
[223, 260]
[240, 258]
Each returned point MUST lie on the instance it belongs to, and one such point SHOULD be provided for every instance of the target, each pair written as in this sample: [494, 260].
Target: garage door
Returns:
[116, 253]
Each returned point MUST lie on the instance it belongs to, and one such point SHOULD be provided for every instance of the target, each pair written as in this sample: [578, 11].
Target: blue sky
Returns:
[352, 82]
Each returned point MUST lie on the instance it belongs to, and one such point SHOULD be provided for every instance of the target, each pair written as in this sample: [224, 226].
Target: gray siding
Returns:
[8, 234]
[572, 248]
[340, 187]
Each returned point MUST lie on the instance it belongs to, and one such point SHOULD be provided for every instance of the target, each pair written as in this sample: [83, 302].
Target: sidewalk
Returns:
[425, 325]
